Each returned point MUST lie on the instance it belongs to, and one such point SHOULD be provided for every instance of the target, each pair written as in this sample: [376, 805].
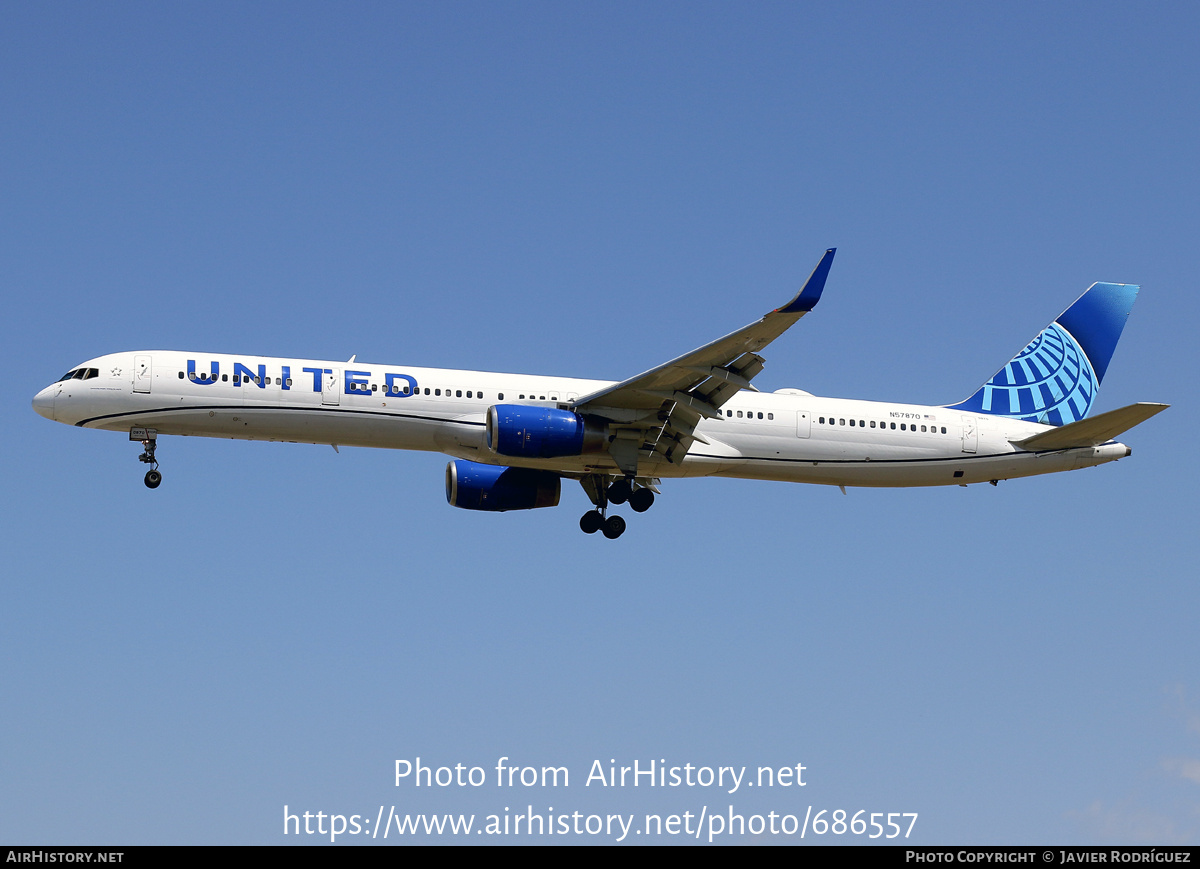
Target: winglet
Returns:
[810, 293]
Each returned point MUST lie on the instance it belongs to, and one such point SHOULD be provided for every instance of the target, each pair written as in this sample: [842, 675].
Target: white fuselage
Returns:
[788, 436]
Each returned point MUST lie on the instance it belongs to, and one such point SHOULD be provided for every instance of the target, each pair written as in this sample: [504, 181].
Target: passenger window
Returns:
[760, 414]
[852, 423]
[729, 413]
[502, 396]
[181, 375]
[739, 414]
[279, 382]
[841, 422]
[943, 429]
[770, 416]
[872, 423]
[458, 393]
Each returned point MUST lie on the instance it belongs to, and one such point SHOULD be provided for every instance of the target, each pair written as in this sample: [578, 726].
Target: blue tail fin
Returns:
[1055, 378]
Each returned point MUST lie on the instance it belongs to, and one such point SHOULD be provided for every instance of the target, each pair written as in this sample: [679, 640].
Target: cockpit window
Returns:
[91, 372]
[69, 374]
[79, 374]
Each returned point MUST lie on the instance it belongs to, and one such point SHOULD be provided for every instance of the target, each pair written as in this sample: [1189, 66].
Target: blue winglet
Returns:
[810, 293]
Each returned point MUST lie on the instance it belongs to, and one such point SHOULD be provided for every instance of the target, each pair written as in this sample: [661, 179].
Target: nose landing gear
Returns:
[149, 441]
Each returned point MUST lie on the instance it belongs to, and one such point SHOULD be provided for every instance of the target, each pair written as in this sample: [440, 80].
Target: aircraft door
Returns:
[803, 423]
[970, 434]
[143, 371]
[331, 387]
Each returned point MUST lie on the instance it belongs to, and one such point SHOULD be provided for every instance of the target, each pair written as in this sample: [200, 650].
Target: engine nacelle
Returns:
[496, 488]
[540, 432]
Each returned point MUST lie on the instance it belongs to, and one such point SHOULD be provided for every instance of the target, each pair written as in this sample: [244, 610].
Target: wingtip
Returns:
[810, 293]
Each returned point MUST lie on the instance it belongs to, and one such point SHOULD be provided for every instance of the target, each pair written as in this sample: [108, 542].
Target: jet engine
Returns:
[495, 488]
[541, 432]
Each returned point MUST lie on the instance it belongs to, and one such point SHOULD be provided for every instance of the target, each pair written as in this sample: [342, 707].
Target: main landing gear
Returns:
[602, 494]
[149, 440]
[594, 520]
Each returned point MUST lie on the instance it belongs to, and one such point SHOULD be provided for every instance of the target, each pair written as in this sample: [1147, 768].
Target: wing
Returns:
[660, 408]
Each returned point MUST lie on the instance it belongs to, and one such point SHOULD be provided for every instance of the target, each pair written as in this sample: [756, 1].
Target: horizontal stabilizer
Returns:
[1092, 431]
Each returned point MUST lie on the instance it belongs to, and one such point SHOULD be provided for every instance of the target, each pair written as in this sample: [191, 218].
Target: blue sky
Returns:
[555, 189]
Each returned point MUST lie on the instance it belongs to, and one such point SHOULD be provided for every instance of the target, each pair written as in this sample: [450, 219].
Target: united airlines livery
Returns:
[514, 437]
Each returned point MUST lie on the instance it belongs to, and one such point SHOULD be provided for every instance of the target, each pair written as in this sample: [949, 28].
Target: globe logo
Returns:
[1050, 381]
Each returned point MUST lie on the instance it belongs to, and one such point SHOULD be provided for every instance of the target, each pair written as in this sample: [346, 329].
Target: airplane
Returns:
[513, 438]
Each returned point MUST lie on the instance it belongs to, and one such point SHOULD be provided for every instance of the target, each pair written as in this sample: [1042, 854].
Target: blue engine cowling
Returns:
[540, 432]
[496, 488]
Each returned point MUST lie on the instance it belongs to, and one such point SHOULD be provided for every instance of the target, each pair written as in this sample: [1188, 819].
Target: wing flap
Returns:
[1092, 431]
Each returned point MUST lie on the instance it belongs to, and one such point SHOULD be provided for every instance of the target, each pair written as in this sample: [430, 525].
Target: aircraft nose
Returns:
[43, 402]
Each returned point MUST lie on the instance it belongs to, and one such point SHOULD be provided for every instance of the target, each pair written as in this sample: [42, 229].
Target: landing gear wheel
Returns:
[641, 500]
[619, 492]
[149, 439]
[614, 527]
[591, 521]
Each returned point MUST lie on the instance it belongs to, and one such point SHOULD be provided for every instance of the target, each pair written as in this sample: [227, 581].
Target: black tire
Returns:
[153, 478]
[591, 521]
[641, 500]
[619, 492]
[614, 527]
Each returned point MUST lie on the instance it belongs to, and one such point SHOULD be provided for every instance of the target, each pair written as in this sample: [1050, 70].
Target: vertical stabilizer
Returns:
[1055, 378]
